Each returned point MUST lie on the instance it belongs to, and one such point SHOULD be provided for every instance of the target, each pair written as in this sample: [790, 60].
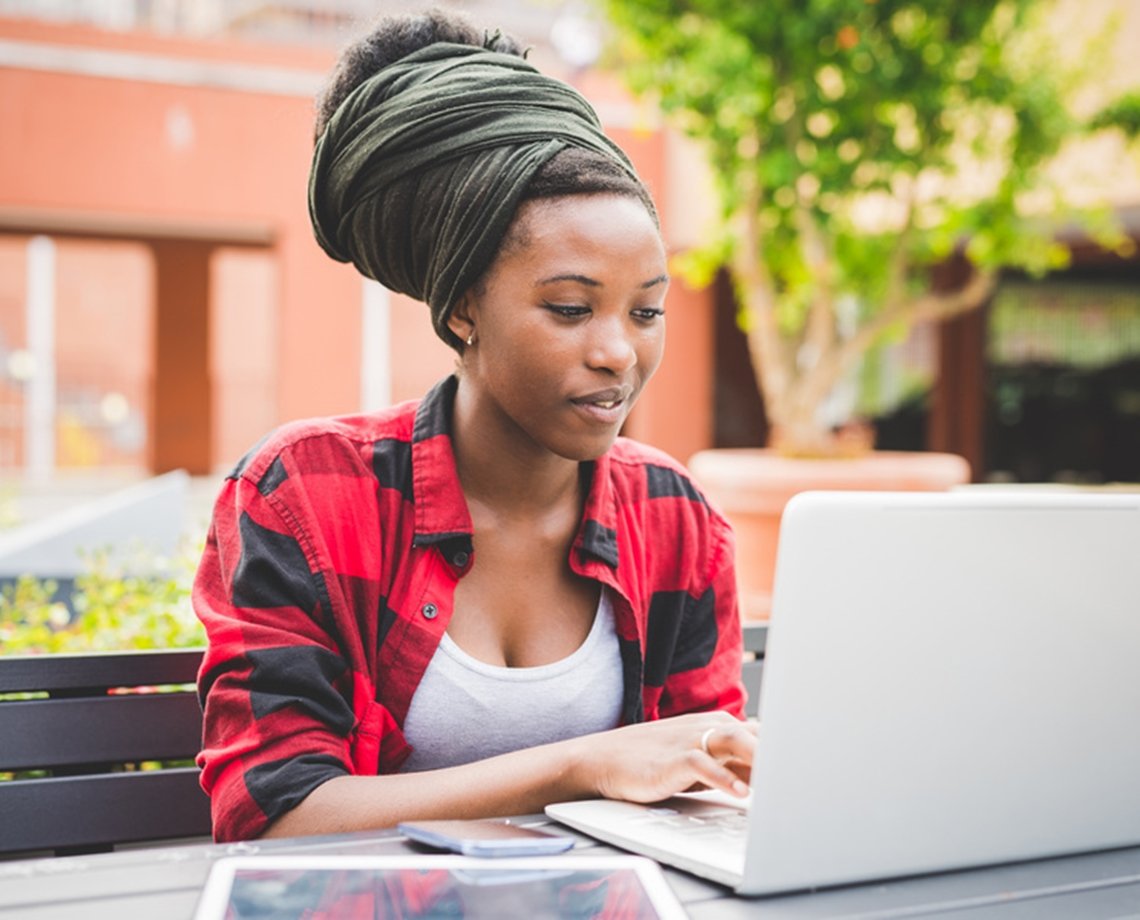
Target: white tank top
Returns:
[465, 709]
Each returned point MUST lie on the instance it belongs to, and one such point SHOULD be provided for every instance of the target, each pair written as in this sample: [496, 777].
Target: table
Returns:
[162, 883]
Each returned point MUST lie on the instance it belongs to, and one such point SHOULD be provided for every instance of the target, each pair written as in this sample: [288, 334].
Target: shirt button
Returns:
[460, 559]
[429, 611]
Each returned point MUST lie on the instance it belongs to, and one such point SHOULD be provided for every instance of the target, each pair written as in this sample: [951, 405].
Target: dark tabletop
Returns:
[162, 883]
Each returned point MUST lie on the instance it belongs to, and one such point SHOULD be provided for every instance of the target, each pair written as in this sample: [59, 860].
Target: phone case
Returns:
[524, 842]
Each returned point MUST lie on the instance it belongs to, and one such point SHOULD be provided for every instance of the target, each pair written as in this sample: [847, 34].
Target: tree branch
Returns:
[897, 261]
[926, 309]
[820, 328]
[769, 359]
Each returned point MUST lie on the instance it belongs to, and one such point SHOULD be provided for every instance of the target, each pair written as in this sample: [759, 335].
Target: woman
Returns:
[485, 601]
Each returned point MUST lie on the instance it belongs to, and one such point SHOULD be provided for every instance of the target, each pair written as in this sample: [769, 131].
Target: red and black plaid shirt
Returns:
[328, 579]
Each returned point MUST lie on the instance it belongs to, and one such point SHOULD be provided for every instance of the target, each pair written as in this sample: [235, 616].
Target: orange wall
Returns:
[103, 333]
[186, 157]
[183, 158]
[675, 411]
[243, 349]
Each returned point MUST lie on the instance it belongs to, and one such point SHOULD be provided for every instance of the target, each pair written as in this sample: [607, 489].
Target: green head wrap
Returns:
[419, 172]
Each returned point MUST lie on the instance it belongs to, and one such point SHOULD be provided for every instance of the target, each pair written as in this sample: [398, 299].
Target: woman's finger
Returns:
[734, 741]
[716, 775]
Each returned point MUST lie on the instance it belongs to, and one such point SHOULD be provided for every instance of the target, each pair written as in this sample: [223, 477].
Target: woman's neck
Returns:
[502, 468]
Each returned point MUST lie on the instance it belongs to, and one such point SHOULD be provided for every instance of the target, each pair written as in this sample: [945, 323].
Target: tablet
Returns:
[420, 886]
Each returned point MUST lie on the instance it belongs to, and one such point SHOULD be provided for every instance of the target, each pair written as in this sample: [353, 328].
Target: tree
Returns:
[856, 144]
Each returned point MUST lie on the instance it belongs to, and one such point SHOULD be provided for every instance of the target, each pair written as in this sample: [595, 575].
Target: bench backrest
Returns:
[755, 641]
[76, 742]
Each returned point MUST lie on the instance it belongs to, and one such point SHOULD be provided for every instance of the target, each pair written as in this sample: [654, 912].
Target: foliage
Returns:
[143, 605]
[856, 144]
[1123, 113]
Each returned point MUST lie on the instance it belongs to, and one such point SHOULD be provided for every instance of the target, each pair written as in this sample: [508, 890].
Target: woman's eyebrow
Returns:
[569, 276]
[593, 282]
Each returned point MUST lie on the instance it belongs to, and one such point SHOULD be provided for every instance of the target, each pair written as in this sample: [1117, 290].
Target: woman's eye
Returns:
[648, 313]
[566, 309]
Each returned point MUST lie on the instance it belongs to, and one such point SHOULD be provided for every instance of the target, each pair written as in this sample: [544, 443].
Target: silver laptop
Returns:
[951, 680]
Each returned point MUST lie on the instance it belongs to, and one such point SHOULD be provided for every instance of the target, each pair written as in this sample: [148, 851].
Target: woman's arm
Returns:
[643, 762]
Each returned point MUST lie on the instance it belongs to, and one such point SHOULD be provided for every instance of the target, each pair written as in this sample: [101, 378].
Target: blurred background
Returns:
[163, 303]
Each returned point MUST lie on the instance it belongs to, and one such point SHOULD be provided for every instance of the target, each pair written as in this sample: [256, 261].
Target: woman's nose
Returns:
[611, 348]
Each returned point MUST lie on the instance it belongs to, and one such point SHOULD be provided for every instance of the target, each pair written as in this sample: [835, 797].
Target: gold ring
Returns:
[705, 740]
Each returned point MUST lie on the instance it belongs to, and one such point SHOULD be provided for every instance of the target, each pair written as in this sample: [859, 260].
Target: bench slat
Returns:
[28, 673]
[102, 810]
[98, 730]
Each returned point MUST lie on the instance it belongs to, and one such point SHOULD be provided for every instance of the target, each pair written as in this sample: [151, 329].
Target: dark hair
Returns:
[394, 37]
[573, 171]
[577, 171]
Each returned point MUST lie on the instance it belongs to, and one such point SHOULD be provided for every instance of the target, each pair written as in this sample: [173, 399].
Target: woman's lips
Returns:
[606, 406]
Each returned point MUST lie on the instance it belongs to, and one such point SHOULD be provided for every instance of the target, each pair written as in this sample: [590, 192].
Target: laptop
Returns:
[951, 680]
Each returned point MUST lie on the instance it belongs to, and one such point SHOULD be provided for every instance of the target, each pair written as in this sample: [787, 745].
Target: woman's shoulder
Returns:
[659, 506]
[627, 452]
[323, 441]
[639, 468]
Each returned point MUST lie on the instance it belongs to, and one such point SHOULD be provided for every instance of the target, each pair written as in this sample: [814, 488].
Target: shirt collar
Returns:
[597, 535]
[441, 508]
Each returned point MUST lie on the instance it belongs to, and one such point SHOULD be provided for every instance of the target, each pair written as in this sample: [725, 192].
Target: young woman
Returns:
[485, 601]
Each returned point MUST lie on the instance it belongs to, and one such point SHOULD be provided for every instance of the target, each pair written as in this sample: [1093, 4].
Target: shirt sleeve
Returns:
[276, 691]
[705, 668]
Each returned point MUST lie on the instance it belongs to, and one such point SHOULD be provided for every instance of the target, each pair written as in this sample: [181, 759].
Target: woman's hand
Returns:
[653, 760]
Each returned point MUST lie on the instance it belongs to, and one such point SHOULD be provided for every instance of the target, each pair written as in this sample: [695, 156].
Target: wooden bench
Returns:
[74, 730]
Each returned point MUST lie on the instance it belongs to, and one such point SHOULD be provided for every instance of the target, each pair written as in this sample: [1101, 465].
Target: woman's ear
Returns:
[461, 321]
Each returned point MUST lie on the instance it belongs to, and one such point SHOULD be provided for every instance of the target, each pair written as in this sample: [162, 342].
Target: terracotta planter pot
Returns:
[752, 486]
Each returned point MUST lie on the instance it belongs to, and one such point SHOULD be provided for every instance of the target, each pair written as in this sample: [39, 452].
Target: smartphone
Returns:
[485, 838]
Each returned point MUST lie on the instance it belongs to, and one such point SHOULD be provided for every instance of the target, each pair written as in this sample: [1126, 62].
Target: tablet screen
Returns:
[283, 888]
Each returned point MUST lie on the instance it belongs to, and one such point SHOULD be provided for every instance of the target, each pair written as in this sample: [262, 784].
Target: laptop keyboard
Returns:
[727, 826]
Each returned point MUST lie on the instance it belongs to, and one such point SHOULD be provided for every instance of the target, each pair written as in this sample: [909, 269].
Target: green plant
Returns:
[856, 145]
[140, 604]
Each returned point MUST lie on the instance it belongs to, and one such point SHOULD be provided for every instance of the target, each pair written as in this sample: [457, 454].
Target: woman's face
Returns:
[569, 324]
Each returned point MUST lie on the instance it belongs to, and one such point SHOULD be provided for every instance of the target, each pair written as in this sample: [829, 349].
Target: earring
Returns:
[471, 339]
